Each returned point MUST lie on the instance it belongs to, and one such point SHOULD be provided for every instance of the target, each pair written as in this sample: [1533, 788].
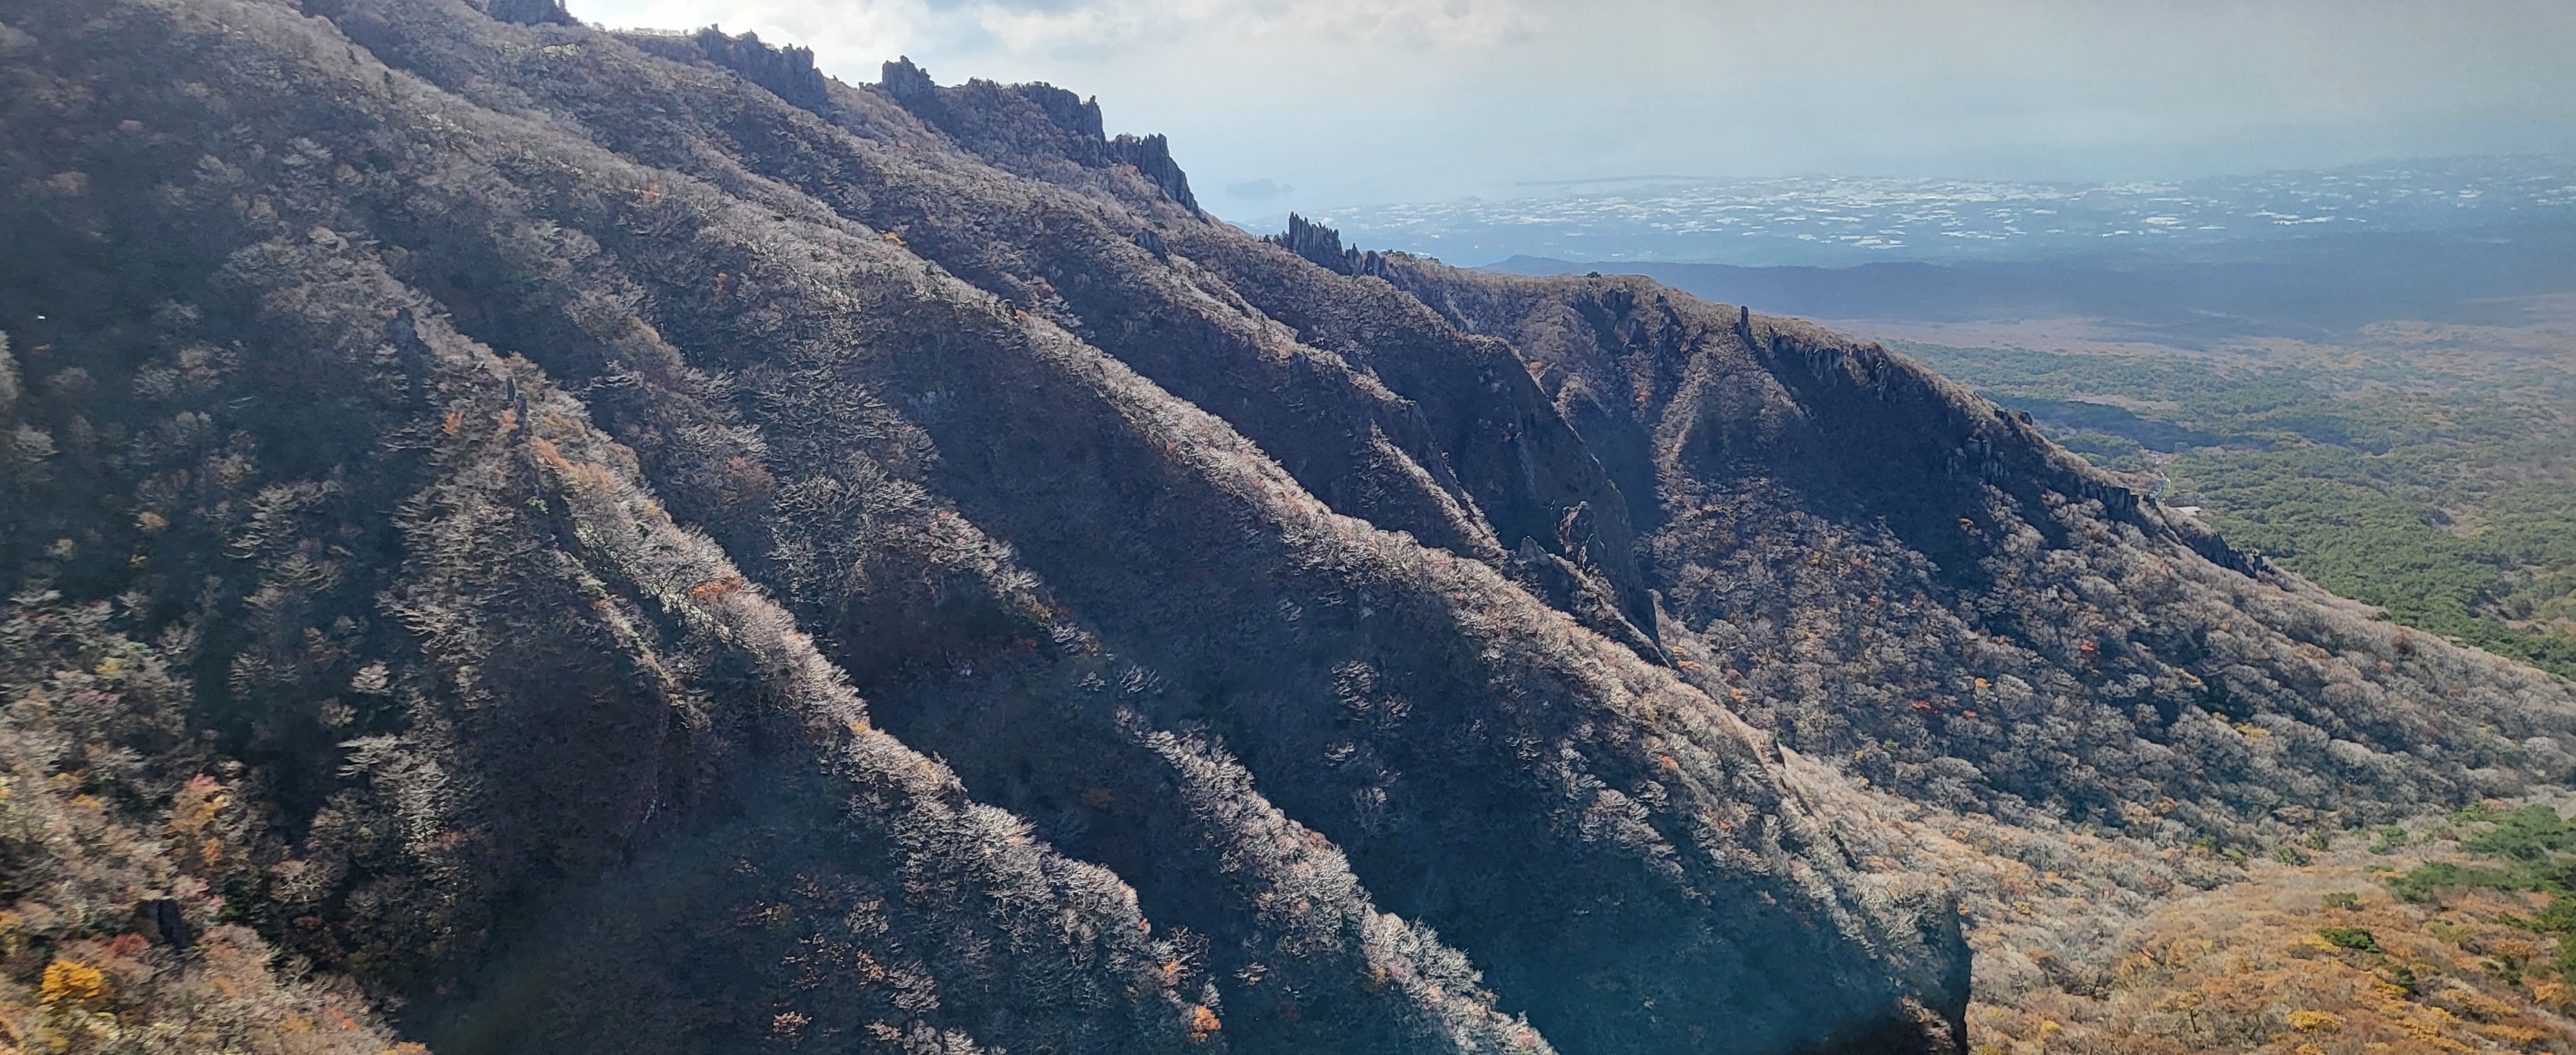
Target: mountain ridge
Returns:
[658, 562]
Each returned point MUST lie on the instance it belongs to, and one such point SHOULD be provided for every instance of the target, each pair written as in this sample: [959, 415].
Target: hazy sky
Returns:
[1354, 101]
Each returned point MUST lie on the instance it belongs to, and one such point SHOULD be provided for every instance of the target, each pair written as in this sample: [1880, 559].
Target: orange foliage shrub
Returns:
[1203, 1024]
[746, 481]
[549, 453]
[73, 981]
[714, 590]
[193, 812]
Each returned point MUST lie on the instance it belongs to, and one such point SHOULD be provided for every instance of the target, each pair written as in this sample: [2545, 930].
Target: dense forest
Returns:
[2427, 470]
[523, 537]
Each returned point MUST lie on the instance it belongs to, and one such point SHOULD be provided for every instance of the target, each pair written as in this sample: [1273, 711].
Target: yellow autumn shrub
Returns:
[2252, 966]
[2316, 1021]
[73, 981]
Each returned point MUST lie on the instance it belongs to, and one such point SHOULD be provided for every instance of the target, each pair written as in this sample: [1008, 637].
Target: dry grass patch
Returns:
[2317, 959]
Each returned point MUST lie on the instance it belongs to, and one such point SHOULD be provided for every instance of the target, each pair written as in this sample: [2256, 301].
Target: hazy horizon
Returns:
[1274, 105]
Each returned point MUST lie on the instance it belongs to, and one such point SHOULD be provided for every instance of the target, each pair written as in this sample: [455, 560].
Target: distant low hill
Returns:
[2323, 287]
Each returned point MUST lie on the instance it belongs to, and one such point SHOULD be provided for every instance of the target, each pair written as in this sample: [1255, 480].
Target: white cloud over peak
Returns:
[1359, 100]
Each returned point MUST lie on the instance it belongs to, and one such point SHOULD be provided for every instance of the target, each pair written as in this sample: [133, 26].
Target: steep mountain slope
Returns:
[643, 547]
[1884, 569]
[316, 348]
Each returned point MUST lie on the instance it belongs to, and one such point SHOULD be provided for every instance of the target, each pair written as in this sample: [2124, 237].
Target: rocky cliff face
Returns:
[1039, 130]
[619, 543]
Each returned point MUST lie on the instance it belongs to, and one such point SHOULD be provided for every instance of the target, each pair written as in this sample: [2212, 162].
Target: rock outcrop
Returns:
[1323, 245]
[1022, 127]
[787, 72]
[531, 12]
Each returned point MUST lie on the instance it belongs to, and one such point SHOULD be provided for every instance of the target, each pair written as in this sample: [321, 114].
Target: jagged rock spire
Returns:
[905, 81]
[1323, 245]
[786, 71]
[1152, 156]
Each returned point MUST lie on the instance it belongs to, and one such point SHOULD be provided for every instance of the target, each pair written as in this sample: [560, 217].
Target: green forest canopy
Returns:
[2440, 486]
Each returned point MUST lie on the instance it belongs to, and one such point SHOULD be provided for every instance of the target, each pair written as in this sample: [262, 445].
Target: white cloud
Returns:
[1354, 100]
[1404, 25]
